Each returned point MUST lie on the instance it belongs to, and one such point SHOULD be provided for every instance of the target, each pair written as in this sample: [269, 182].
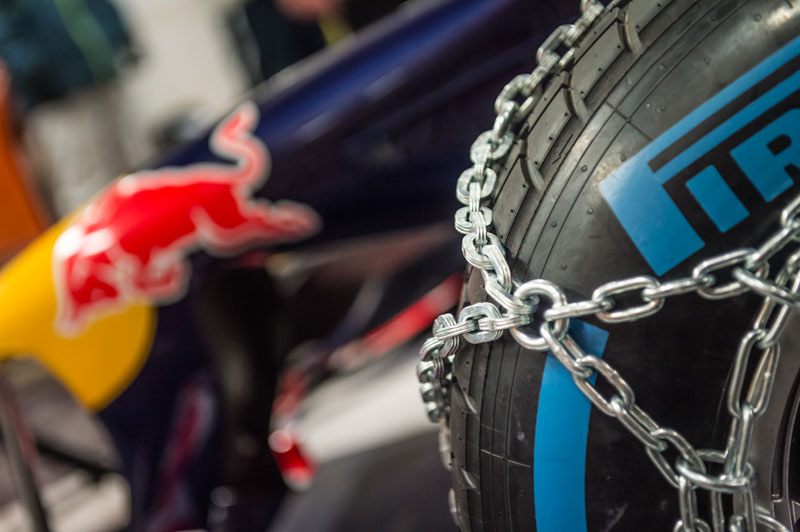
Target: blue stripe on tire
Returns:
[559, 454]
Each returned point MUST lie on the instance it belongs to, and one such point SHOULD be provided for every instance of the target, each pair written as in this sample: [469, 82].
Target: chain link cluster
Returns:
[514, 306]
[484, 322]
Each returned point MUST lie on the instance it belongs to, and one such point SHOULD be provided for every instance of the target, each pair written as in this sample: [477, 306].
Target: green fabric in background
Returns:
[54, 47]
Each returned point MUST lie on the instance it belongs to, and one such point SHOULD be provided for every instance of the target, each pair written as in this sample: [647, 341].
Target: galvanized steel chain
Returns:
[513, 304]
[484, 322]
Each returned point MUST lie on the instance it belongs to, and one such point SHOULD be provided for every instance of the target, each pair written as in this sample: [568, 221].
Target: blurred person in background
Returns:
[269, 41]
[357, 13]
[64, 56]
[274, 34]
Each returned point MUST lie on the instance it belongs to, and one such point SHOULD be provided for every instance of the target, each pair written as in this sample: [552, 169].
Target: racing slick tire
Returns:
[650, 79]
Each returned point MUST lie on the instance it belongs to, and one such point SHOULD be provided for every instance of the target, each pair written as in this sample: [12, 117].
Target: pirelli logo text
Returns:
[709, 173]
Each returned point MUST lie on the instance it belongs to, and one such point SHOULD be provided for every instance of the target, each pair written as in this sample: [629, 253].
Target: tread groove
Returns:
[586, 124]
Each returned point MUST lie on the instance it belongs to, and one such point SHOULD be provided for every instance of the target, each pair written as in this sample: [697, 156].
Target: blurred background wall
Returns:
[176, 58]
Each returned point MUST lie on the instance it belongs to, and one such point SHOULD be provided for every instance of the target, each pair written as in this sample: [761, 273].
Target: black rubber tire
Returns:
[619, 94]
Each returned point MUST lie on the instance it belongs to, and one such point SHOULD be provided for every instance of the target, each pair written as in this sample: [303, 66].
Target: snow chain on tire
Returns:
[537, 312]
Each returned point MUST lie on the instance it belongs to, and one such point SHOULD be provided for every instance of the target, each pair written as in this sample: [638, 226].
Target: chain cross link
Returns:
[515, 303]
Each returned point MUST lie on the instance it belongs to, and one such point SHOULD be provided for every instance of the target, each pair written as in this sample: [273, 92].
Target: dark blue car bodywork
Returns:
[373, 135]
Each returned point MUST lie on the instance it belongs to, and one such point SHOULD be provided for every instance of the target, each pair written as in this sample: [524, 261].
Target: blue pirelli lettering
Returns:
[765, 168]
[646, 211]
[717, 199]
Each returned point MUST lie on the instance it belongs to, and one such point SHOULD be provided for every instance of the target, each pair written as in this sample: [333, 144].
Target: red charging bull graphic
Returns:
[130, 245]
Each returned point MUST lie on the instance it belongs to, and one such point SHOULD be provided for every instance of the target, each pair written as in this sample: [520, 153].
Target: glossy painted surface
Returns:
[95, 365]
[21, 217]
[370, 137]
[130, 245]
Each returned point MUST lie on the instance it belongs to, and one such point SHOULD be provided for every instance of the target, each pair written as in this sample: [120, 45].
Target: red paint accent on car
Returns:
[130, 245]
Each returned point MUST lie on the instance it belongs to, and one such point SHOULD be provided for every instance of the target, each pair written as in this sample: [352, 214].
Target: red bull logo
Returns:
[130, 245]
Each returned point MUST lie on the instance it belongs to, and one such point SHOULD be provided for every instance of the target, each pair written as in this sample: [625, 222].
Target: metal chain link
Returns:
[514, 304]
